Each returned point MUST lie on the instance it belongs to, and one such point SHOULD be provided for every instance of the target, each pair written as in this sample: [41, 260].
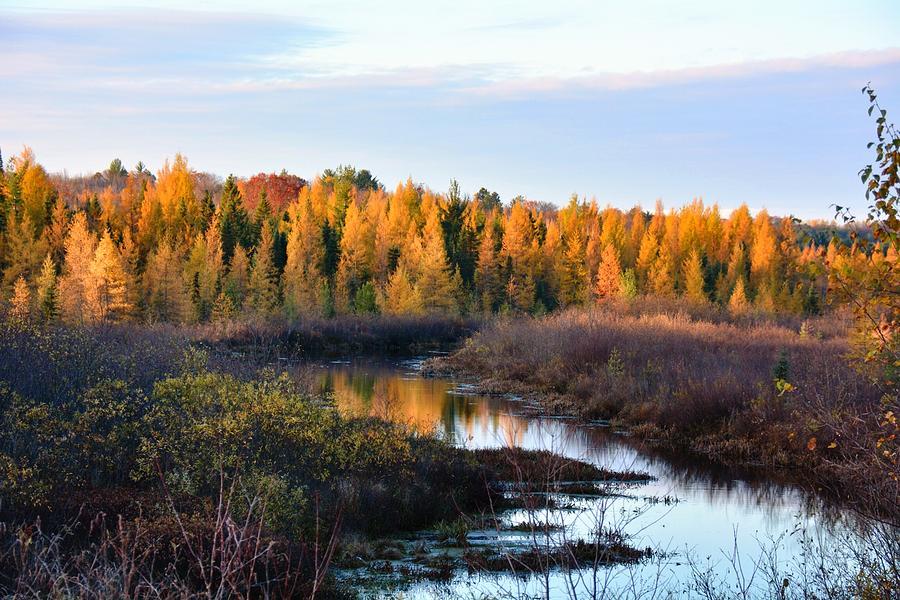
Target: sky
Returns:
[628, 102]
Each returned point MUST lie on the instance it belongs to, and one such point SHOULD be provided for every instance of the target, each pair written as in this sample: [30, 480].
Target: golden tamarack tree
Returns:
[176, 247]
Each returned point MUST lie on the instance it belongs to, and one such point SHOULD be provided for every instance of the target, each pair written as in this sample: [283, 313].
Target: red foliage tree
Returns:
[281, 189]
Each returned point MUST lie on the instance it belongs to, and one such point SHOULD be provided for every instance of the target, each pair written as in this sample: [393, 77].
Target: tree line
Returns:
[182, 246]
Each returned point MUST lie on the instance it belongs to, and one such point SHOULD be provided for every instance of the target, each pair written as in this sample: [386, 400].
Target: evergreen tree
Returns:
[365, 301]
[238, 277]
[573, 284]
[489, 275]
[194, 272]
[207, 211]
[48, 291]
[263, 285]
[24, 253]
[131, 263]
[460, 237]
[628, 286]
[233, 222]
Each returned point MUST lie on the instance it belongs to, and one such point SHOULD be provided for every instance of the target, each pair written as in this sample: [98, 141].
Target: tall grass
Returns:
[744, 389]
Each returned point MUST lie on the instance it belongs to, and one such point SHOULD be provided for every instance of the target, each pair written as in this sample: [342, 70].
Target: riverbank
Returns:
[133, 465]
[345, 335]
[747, 391]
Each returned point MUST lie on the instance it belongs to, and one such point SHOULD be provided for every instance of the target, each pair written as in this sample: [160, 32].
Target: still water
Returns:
[717, 517]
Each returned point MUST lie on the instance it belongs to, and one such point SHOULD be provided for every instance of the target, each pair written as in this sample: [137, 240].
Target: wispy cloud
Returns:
[147, 44]
[210, 52]
[628, 101]
[671, 77]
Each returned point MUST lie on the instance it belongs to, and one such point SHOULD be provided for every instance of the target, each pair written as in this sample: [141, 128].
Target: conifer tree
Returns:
[223, 309]
[355, 266]
[263, 284]
[214, 260]
[438, 288]
[573, 281]
[401, 296]
[261, 215]
[634, 236]
[628, 286]
[20, 302]
[167, 299]
[460, 239]
[609, 274]
[24, 253]
[737, 263]
[207, 211]
[489, 274]
[520, 291]
[517, 240]
[763, 251]
[647, 254]
[131, 263]
[195, 278]
[765, 299]
[56, 230]
[233, 221]
[238, 277]
[150, 226]
[175, 190]
[365, 301]
[75, 283]
[305, 250]
[106, 283]
[694, 282]
[662, 280]
[36, 191]
[738, 302]
[48, 291]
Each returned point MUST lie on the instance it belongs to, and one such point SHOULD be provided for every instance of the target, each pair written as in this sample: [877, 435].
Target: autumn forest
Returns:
[273, 387]
[182, 246]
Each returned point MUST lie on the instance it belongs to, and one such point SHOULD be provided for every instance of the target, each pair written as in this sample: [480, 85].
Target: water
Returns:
[690, 509]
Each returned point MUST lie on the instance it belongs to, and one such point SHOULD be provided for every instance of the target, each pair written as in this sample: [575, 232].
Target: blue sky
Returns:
[754, 102]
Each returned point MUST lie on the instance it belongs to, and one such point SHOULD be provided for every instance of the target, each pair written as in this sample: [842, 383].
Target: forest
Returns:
[164, 432]
[182, 246]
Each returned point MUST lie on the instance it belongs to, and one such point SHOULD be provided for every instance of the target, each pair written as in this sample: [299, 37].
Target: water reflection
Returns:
[396, 392]
[715, 506]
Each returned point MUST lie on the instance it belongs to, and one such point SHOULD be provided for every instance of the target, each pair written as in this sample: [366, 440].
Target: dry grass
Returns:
[697, 378]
